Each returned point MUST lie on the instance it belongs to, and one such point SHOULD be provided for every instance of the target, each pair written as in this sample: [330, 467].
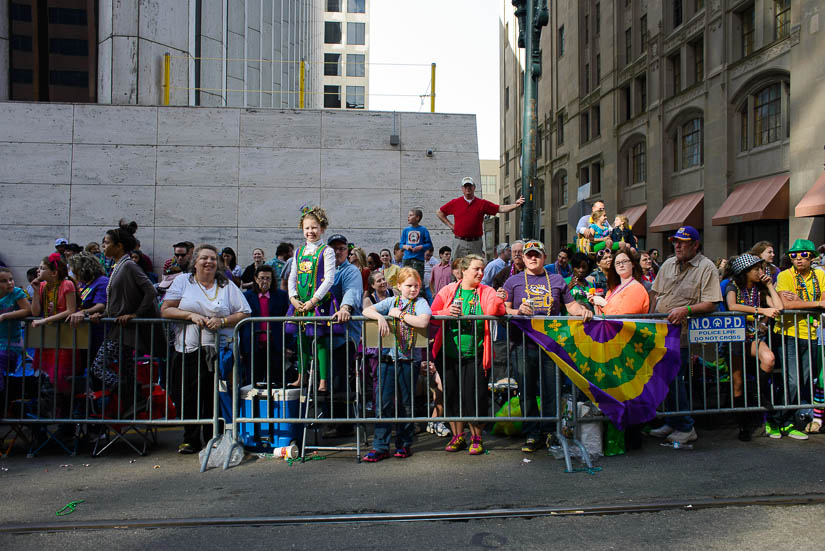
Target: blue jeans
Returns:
[677, 397]
[395, 387]
[537, 378]
[797, 366]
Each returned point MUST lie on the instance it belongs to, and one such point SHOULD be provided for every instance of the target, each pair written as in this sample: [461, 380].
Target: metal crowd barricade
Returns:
[33, 403]
[56, 393]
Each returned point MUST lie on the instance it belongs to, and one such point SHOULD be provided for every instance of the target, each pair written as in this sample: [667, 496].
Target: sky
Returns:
[461, 38]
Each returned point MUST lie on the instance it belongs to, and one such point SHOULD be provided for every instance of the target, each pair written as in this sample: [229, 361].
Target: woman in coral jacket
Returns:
[467, 353]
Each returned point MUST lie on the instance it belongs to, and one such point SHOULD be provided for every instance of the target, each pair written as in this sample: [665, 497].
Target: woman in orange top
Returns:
[465, 378]
[626, 294]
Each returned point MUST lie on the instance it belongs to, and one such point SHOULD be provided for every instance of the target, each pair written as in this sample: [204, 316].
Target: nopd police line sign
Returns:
[716, 329]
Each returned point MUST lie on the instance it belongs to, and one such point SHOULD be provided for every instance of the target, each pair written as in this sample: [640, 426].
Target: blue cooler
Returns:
[263, 437]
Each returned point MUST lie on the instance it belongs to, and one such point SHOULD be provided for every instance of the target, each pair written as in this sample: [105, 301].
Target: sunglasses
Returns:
[180, 255]
[801, 254]
[602, 252]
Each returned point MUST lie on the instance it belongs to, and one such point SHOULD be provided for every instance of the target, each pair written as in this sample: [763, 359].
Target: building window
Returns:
[692, 143]
[506, 165]
[628, 46]
[626, 104]
[743, 127]
[356, 65]
[767, 115]
[355, 97]
[332, 96]
[539, 145]
[638, 164]
[585, 127]
[598, 18]
[748, 26]
[561, 41]
[641, 92]
[595, 178]
[356, 6]
[698, 48]
[597, 121]
[332, 32]
[782, 18]
[700, 5]
[356, 33]
[643, 33]
[50, 56]
[560, 130]
[332, 65]
[563, 189]
[334, 5]
[586, 28]
[598, 69]
[676, 71]
[584, 175]
[586, 78]
[677, 13]
[506, 98]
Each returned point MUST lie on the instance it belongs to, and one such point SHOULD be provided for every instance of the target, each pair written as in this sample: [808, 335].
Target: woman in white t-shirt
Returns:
[213, 305]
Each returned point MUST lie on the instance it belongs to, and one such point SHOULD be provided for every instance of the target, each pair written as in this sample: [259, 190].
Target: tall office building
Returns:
[346, 54]
[237, 53]
[674, 112]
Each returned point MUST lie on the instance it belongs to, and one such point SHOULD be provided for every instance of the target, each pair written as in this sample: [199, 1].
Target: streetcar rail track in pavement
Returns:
[363, 518]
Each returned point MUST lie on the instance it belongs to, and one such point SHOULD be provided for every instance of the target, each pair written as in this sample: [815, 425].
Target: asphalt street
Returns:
[121, 486]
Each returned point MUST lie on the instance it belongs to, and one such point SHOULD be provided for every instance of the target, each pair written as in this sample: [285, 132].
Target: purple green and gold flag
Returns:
[623, 366]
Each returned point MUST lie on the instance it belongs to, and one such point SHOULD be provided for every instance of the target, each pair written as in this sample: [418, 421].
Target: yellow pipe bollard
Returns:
[432, 89]
[301, 90]
[167, 69]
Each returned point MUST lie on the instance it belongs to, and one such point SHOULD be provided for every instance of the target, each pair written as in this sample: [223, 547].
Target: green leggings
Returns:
[306, 349]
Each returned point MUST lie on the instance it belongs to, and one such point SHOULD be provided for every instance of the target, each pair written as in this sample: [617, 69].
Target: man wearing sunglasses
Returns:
[535, 292]
[182, 255]
[687, 285]
[800, 288]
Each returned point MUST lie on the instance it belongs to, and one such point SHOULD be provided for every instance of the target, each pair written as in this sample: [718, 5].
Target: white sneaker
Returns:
[683, 437]
[430, 427]
[661, 432]
[442, 430]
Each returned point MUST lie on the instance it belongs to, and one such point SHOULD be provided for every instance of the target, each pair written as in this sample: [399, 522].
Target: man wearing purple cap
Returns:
[468, 215]
[687, 285]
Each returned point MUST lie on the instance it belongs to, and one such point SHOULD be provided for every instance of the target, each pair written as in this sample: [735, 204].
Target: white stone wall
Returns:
[230, 177]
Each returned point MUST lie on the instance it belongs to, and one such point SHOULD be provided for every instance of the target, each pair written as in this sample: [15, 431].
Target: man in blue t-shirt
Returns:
[415, 240]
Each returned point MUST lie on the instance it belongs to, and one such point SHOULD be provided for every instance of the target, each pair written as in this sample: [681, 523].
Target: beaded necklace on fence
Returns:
[538, 295]
[404, 334]
[747, 297]
[115, 270]
[51, 299]
[802, 287]
[802, 291]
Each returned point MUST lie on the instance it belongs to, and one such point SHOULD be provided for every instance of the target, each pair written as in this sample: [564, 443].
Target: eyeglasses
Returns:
[603, 252]
[534, 244]
[622, 262]
[801, 254]
[180, 255]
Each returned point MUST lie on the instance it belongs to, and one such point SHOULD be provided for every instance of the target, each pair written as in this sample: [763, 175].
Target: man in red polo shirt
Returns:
[468, 213]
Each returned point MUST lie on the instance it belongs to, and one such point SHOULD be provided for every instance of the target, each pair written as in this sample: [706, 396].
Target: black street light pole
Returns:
[532, 15]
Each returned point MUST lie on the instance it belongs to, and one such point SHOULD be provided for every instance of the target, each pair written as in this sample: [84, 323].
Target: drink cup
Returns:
[287, 452]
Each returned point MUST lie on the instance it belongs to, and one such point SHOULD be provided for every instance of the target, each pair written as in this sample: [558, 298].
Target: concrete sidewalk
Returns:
[121, 485]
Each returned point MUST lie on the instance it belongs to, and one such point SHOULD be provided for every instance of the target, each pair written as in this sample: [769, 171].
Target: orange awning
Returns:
[813, 204]
[637, 218]
[685, 210]
[761, 200]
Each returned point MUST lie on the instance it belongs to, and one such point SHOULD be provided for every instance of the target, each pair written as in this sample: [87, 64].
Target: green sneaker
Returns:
[791, 432]
[772, 432]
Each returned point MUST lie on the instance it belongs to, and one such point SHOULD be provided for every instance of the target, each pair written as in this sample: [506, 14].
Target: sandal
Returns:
[813, 427]
[374, 456]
